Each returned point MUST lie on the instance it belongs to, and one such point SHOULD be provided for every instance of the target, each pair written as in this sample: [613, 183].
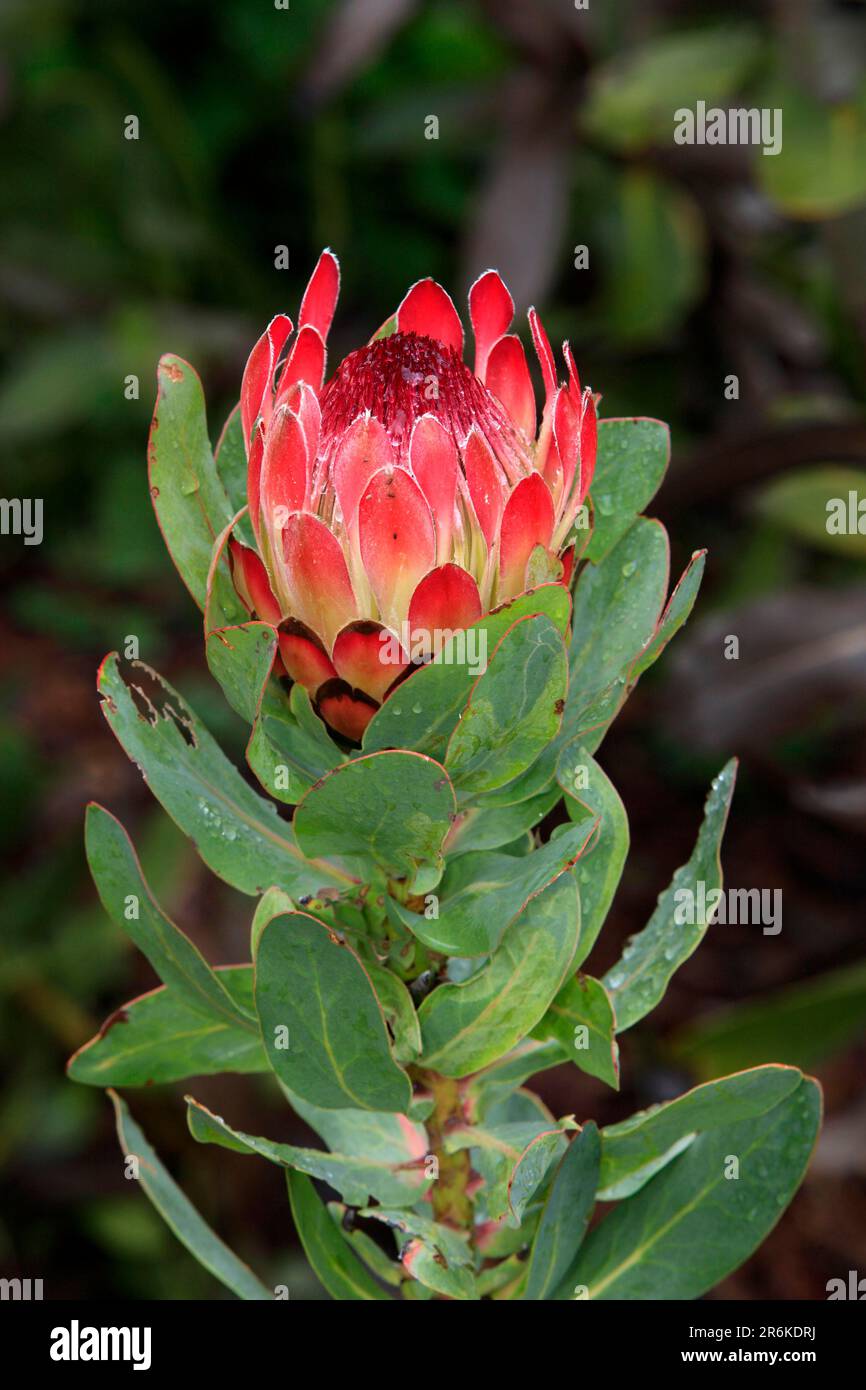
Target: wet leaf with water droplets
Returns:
[699, 1219]
[188, 496]
[632, 459]
[639, 979]
[237, 833]
[467, 1026]
[161, 1037]
[322, 1025]
[393, 809]
[634, 1150]
[423, 712]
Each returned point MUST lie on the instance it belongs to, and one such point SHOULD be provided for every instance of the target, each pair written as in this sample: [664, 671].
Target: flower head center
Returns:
[402, 377]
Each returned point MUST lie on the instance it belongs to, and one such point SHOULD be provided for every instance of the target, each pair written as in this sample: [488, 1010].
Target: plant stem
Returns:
[451, 1201]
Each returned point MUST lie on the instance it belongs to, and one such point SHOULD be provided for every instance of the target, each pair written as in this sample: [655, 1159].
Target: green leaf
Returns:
[426, 1265]
[514, 709]
[467, 1026]
[632, 459]
[272, 902]
[498, 1080]
[241, 658]
[223, 606]
[180, 1215]
[377, 1136]
[237, 833]
[617, 604]
[636, 1148]
[130, 904]
[496, 1149]
[336, 1267]
[189, 499]
[654, 257]
[314, 749]
[393, 808]
[377, 1261]
[485, 828]
[495, 1277]
[584, 1003]
[639, 979]
[565, 1216]
[694, 1222]
[414, 1292]
[482, 895]
[399, 1010]
[590, 796]
[532, 1167]
[161, 1037]
[820, 171]
[422, 713]
[231, 465]
[801, 1026]
[631, 99]
[323, 1028]
[289, 748]
[675, 616]
[357, 1180]
[451, 1244]
[818, 505]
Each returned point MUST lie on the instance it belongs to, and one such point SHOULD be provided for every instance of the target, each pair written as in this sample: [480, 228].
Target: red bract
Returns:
[409, 495]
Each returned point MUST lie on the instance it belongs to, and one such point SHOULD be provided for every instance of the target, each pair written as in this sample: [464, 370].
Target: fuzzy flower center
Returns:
[404, 376]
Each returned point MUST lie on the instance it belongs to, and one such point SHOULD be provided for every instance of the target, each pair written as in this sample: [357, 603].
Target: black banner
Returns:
[201, 1339]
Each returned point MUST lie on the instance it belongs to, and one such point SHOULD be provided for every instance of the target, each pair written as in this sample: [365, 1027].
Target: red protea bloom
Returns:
[408, 496]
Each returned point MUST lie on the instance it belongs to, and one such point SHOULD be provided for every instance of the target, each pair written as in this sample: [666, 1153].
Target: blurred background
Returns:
[302, 126]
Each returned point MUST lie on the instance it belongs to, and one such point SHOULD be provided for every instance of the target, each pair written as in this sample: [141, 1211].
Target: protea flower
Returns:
[406, 497]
